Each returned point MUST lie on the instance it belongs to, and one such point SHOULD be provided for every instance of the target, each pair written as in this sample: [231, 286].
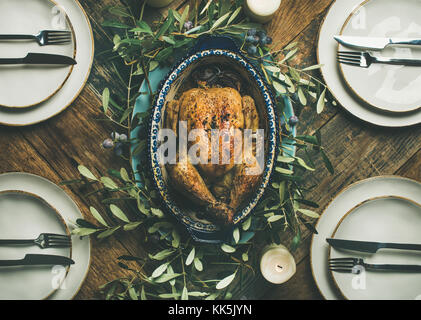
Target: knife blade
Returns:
[40, 58]
[370, 247]
[38, 260]
[375, 43]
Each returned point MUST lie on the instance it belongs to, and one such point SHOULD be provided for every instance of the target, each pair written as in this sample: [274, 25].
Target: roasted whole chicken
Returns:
[219, 188]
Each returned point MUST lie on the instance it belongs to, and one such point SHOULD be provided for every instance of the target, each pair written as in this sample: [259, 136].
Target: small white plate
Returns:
[26, 216]
[23, 86]
[386, 87]
[76, 81]
[327, 55]
[382, 219]
[335, 211]
[70, 212]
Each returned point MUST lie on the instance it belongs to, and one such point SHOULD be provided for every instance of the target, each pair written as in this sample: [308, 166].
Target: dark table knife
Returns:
[40, 58]
[371, 247]
[38, 260]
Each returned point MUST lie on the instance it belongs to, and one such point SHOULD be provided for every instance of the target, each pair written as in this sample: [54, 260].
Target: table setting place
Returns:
[46, 55]
[367, 246]
[220, 230]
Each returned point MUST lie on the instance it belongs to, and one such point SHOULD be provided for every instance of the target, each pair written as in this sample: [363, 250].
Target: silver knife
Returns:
[371, 247]
[40, 58]
[375, 43]
[38, 260]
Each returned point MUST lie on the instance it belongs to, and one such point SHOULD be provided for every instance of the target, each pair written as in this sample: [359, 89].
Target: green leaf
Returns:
[198, 294]
[167, 277]
[321, 102]
[168, 40]
[124, 175]
[143, 294]
[289, 55]
[98, 217]
[133, 294]
[284, 171]
[143, 27]
[274, 218]
[236, 235]
[309, 213]
[226, 248]
[273, 69]
[105, 99]
[317, 66]
[86, 173]
[184, 16]
[119, 11]
[157, 212]
[284, 159]
[115, 24]
[327, 162]
[160, 270]
[131, 226]
[245, 257]
[220, 21]
[119, 213]
[302, 163]
[162, 254]
[302, 97]
[83, 231]
[234, 15]
[176, 239]
[185, 294]
[107, 233]
[247, 224]
[165, 26]
[109, 183]
[190, 257]
[279, 87]
[225, 282]
[198, 264]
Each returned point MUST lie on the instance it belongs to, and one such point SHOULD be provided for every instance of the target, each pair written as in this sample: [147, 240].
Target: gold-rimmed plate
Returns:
[381, 219]
[24, 86]
[24, 215]
[386, 87]
[342, 203]
[58, 199]
[84, 44]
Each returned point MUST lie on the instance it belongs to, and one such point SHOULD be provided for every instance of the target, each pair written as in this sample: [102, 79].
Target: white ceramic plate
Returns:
[26, 216]
[327, 55]
[387, 87]
[335, 211]
[384, 219]
[69, 211]
[27, 85]
[73, 85]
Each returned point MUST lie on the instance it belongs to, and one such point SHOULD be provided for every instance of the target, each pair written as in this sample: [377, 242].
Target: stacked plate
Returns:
[384, 95]
[28, 93]
[31, 205]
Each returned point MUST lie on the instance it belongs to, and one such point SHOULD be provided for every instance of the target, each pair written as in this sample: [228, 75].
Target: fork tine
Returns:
[349, 63]
[350, 53]
[342, 259]
[59, 37]
[352, 58]
[55, 235]
[58, 32]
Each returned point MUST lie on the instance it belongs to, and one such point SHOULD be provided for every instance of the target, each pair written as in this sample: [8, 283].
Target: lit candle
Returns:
[261, 10]
[277, 264]
[159, 3]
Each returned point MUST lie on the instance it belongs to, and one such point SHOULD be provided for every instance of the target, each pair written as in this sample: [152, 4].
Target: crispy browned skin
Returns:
[215, 108]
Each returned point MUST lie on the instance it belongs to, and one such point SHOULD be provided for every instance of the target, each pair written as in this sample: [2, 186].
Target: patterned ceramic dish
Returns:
[210, 51]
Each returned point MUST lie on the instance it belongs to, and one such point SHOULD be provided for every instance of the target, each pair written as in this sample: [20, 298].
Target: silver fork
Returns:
[44, 38]
[44, 241]
[365, 59]
[356, 265]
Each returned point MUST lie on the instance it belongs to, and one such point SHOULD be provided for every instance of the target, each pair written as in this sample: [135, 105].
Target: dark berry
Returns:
[108, 144]
[250, 39]
[188, 25]
[252, 50]
[268, 40]
[293, 120]
[252, 32]
[122, 137]
[118, 150]
[263, 41]
[261, 34]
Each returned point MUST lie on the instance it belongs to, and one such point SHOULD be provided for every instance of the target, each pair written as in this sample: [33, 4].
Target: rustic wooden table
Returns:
[53, 149]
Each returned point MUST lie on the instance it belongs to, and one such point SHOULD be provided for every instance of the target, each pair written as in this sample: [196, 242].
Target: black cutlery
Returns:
[40, 58]
[44, 38]
[44, 241]
[371, 247]
[349, 265]
[38, 260]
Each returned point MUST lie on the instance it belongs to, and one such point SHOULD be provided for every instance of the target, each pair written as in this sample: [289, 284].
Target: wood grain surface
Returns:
[54, 148]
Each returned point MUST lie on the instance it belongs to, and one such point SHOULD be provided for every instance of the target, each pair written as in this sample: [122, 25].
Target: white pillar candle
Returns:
[261, 10]
[277, 264]
[159, 3]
